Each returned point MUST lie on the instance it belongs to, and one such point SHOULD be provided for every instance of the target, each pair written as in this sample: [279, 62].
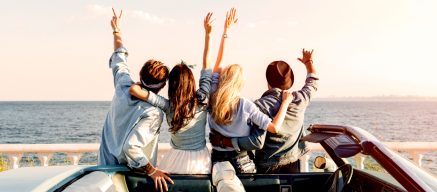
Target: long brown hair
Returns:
[182, 95]
[226, 97]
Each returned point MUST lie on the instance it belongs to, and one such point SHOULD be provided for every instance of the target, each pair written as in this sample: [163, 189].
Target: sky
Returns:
[59, 50]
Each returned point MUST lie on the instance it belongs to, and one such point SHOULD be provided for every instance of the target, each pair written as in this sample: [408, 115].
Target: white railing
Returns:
[45, 152]
[14, 152]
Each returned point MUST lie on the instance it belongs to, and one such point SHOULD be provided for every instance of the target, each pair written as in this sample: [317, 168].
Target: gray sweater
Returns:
[284, 147]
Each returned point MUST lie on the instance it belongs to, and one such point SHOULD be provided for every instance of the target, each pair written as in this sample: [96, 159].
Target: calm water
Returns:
[81, 122]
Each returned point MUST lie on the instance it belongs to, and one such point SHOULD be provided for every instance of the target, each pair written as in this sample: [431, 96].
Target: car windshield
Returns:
[372, 167]
[425, 176]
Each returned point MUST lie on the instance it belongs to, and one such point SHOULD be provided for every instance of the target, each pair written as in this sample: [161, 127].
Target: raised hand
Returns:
[115, 21]
[115, 24]
[230, 18]
[207, 23]
[306, 57]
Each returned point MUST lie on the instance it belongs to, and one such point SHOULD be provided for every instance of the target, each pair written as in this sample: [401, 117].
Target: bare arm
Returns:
[230, 20]
[276, 124]
[136, 91]
[158, 101]
[207, 23]
[115, 24]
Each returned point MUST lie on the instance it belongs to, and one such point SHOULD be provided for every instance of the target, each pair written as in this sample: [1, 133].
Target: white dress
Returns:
[189, 154]
[186, 162]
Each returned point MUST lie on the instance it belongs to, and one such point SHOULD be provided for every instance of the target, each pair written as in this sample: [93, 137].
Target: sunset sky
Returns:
[59, 50]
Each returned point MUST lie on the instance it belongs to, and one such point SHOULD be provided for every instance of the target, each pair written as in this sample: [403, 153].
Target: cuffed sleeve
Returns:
[204, 86]
[158, 101]
[309, 89]
[214, 81]
[139, 137]
[255, 141]
[118, 64]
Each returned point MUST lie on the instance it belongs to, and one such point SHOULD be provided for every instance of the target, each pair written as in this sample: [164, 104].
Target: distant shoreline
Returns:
[378, 98]
[371, 98]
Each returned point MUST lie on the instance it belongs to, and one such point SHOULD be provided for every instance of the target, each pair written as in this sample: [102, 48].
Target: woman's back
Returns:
[189, 154]
[192, 135]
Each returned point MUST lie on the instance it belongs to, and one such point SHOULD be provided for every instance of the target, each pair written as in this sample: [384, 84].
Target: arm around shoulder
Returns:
[276, 124]
[255, 141]
[137, 91]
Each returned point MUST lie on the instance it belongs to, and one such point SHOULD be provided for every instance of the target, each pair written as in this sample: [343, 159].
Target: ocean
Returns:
[81, 122]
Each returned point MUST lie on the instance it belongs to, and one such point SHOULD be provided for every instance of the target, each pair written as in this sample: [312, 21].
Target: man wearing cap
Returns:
[278, 153]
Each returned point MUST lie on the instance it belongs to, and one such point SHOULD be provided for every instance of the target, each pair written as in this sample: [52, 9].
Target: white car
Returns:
[340, 142]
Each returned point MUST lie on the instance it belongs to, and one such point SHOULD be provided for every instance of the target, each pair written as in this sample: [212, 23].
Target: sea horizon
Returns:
[57, 122]
[329, 98]
[388, 119]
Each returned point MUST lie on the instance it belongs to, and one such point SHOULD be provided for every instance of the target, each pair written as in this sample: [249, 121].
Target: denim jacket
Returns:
[192, 135]
[131, 126]
[284, 147]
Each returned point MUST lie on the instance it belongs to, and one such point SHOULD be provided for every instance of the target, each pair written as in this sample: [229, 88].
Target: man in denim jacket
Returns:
[131, 128]
[278, 153]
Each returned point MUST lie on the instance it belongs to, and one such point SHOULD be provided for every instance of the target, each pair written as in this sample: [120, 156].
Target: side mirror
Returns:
[324, 163]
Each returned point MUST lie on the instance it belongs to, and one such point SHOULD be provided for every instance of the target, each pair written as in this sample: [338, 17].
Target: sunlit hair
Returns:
[154, 72]
[225, 99]
[182, 95]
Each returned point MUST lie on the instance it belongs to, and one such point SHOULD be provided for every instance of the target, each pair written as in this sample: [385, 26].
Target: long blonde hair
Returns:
[226, 97]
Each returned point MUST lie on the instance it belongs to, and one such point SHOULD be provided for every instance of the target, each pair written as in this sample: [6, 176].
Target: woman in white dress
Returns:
[186, 111]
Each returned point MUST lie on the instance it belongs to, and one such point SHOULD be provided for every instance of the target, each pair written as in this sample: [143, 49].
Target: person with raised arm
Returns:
[131, 128]
[186, 111]
[280, 152]
[232, 115]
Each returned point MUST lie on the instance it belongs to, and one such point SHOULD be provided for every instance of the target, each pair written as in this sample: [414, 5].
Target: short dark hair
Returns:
[153, 72]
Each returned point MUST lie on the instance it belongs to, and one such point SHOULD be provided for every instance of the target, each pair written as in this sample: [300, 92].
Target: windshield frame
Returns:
[428, 178]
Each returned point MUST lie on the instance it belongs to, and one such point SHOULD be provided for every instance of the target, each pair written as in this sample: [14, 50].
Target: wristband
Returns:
[153, 172]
